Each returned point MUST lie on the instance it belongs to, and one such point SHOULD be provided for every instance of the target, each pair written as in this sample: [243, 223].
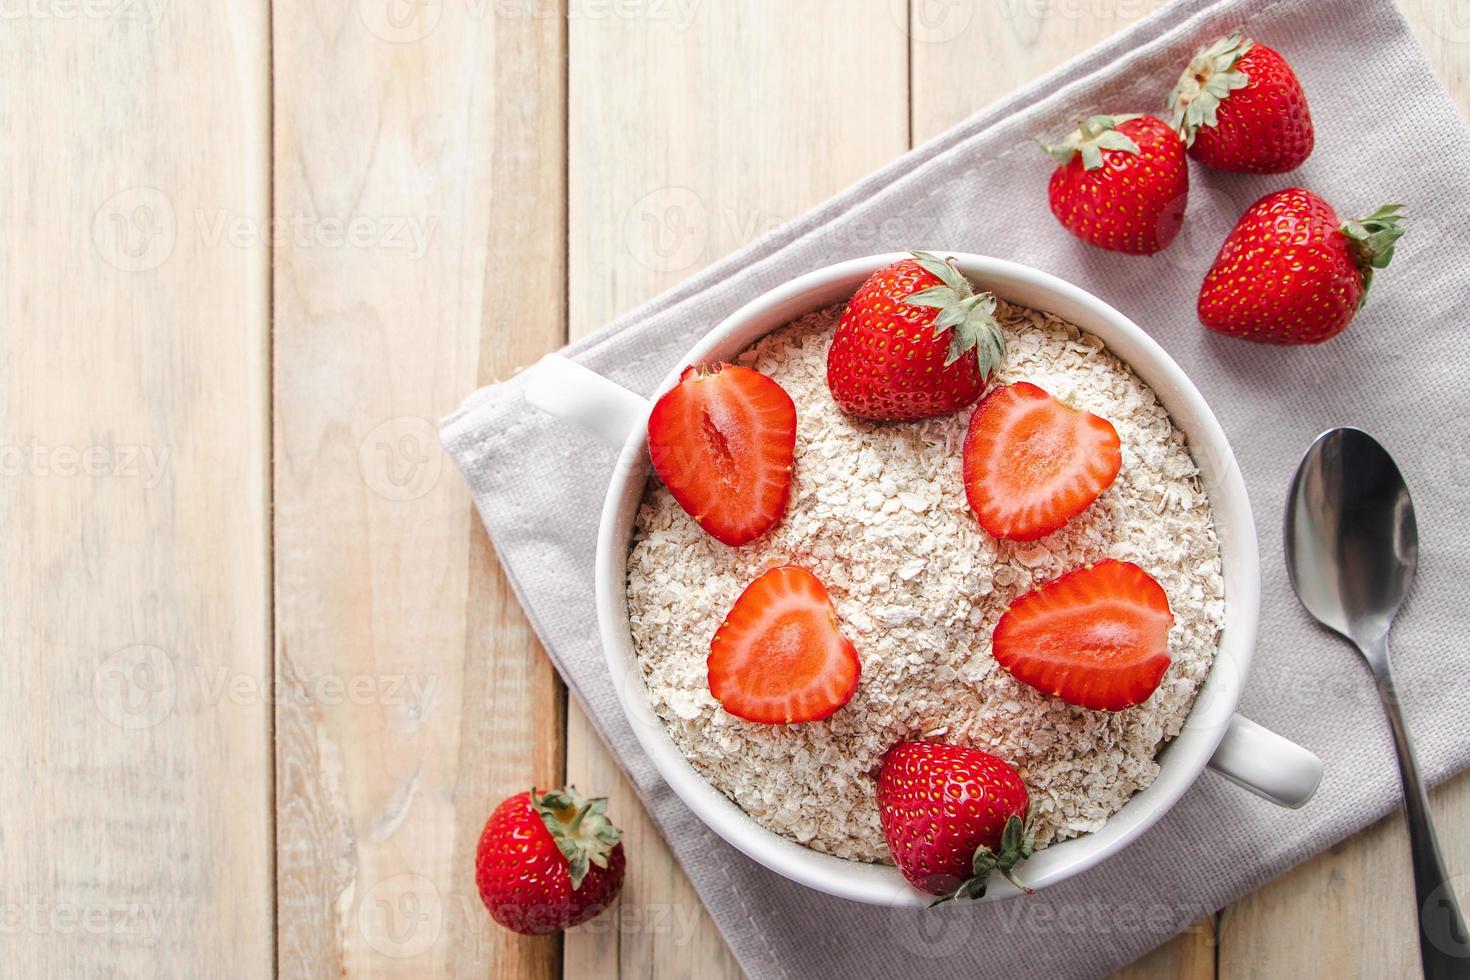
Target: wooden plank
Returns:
[997, 47]
[133, 444]
[1191, 954]
[436, 131]
[1350, 911]
[694, 128]
[1444, 31]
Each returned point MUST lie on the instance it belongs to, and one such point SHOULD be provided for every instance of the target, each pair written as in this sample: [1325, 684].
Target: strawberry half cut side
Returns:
[723, 440]
[1098, 637]
[1032, 463]
[779, 657]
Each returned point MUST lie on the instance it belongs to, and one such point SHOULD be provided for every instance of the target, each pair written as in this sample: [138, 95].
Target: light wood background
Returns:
[265, 680]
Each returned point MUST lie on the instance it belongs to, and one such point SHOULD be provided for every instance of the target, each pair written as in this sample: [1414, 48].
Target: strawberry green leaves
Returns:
[1373, 239]
[581, 829]
[1017, 843]
[1210, 77]
[967, 315]
[1093, 135]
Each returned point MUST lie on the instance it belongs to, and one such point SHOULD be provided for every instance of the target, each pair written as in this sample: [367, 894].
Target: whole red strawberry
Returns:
[548, 861]
[951, 816]
[915, 340]
[1290, 273]
[1122, 185]
[1239, 107]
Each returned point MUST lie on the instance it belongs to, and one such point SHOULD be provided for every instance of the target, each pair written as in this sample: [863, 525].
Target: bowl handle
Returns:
[1272, 767]
[569, 391]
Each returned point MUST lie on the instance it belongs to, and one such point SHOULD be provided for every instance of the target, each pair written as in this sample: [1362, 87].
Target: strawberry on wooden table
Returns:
[779, 656]
[723, 440]
[1098, 637]
[1292, 273]
[548, 861]
[916, 340]
[952, 816]
[1239, 107]
[1032, 462]
[1122, 184]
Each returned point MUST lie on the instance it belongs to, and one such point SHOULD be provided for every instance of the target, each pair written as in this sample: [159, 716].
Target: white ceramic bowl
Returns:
[1214, 736]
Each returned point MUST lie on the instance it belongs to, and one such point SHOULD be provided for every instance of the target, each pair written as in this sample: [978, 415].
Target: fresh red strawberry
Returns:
[1032, 463]
[548, 861]
[951, 816]
[723, 440]
[779, 657]
[1239, 107]
[1122, 185]
[1098, 637]
[915, 340]
[1290, 273]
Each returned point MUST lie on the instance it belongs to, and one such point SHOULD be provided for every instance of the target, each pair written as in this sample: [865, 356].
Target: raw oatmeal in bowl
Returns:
[878, 511]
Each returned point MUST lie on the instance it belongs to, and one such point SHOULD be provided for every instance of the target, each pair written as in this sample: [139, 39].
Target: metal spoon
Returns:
[1351, 550]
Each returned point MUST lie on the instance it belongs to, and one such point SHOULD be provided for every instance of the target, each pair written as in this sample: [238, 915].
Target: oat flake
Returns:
[878, 513]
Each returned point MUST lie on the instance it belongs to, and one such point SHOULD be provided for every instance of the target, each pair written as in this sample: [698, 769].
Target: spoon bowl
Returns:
[1352, 544]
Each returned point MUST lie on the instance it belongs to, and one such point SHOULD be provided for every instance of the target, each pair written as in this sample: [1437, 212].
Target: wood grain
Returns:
[1444, 30]
[135, 612]
[1188, 956]
[689, 137]
[436, 130]
[996, 47]
[227, 517]
[1350, 910]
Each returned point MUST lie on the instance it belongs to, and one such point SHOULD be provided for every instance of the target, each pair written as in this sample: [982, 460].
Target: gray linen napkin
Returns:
[1388, 134]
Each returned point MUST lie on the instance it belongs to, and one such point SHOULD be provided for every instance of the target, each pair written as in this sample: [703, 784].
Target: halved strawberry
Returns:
[723, 440]
[778, 657]
[1032, 463]
[1097, 637]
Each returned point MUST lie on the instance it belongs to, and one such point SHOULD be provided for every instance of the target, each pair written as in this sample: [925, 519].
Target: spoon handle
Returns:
[1444, 943]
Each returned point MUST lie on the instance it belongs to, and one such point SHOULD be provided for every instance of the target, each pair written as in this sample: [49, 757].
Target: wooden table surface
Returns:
[265, 679]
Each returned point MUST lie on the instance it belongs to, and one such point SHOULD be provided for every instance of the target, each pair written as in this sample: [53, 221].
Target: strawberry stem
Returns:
[967, 315]
[1210, 78]
[1372, 240]
[1016, 845]
[579, 827]
[1093, 135]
